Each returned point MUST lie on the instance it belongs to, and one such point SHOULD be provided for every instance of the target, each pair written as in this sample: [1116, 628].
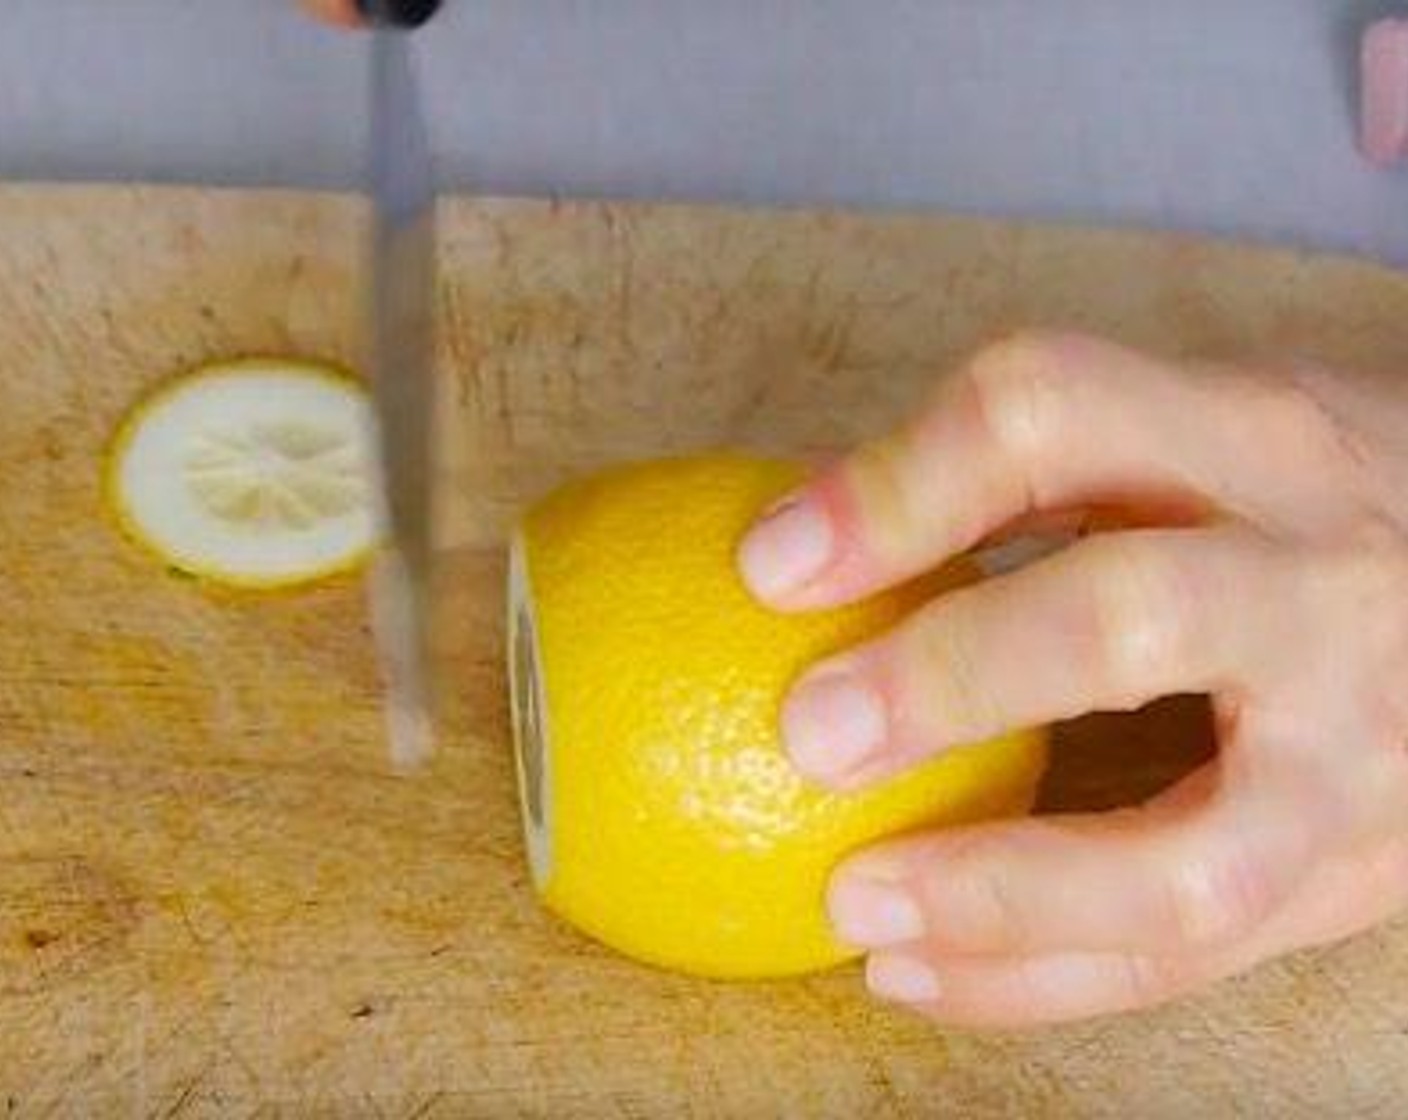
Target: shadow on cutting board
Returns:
[1109, 760]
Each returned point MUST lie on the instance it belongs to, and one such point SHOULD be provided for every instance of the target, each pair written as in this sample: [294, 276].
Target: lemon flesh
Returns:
[661, 815]
[254, 473]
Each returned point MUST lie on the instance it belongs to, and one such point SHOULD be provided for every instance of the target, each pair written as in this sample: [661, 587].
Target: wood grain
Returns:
[214, 900]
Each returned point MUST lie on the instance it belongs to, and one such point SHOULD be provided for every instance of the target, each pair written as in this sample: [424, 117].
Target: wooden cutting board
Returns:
[214, 900]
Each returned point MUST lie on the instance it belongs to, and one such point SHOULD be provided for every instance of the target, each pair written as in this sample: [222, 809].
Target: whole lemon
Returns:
[661, 814]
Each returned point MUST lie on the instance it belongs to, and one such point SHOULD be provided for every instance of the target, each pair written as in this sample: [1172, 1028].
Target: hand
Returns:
[1264, 560]
[356, 13]
[339, 13]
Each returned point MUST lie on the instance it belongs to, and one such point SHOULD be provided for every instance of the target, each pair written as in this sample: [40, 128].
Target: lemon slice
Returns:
[255, 473]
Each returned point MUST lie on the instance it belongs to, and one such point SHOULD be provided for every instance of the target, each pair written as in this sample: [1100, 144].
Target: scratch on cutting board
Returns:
[141, 1023]
[421, 1110]
[619, 227]
[185, 1096]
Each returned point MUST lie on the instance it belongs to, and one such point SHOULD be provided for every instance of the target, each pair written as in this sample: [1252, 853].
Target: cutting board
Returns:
[214, 897]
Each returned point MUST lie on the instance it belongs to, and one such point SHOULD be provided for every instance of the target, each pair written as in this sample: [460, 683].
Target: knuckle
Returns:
[1360, 597]
[1147, 980]
[877, 478]
[1339, 801]
[1366, 571]
[1218, 897]
[1141, 612]
[944, 672]
[1020, 385]
[995, 901]
[1031, 988]
[1396, 783]
[1398, 877]
[1285, 415]
[1377, 804]
[978, 896]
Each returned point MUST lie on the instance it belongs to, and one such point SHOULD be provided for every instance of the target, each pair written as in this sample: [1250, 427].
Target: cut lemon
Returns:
[255, 473]
[660, 813]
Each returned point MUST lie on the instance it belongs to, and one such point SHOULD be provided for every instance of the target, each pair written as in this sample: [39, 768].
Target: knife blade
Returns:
[401, 296]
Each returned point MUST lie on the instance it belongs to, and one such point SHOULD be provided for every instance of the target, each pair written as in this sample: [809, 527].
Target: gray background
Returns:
[1226, 115]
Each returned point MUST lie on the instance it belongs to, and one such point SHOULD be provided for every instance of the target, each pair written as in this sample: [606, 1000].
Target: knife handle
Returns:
[397, 13]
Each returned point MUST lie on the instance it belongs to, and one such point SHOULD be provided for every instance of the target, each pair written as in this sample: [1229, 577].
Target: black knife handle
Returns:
[397, 13]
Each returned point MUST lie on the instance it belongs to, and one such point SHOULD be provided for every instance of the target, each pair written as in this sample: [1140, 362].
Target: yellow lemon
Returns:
[256, 473]
[661, 815]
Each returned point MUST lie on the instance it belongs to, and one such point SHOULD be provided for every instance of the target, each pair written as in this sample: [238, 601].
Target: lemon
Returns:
[660, 813]
[255, 473]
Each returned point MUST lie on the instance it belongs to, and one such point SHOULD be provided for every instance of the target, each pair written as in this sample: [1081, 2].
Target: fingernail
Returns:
[902, 979]
[786, 549]
[873, 913]
[831, 723]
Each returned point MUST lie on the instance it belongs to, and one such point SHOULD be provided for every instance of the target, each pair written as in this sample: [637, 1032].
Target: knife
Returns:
[401, 296]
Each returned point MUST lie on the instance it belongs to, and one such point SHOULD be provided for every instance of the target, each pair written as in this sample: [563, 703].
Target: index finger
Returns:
[1037, 424]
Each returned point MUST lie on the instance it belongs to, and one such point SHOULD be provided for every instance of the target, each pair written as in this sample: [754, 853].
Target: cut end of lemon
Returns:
[255, 473]
[529, 719]
[660, 814]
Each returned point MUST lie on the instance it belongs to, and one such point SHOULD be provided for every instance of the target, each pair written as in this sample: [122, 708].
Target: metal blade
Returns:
[402, 295]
